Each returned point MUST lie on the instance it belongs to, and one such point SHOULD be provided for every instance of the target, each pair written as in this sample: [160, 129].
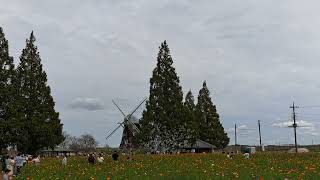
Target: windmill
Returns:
[130, 128]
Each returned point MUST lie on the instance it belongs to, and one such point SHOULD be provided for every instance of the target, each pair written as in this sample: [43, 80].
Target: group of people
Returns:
[231, 155]
[93, 158]
[11, 165]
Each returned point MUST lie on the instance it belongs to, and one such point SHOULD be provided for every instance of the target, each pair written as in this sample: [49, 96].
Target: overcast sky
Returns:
[256, 56]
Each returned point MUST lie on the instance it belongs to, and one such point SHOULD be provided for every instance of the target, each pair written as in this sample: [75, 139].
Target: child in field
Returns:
[231, 155]
[29, 160]
[64, 161]
[100, 159]
[246, 155]
[36, 160]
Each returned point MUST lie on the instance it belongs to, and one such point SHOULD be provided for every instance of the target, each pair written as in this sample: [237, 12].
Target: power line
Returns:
[314, 106]
[308, 115]
[274, 122]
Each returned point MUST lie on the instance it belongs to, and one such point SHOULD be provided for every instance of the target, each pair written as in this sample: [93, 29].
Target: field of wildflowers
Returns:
[182, 166]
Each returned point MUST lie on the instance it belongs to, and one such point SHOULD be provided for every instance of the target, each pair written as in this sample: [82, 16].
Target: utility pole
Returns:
[235, 136]
[260, 135]
[294, 125]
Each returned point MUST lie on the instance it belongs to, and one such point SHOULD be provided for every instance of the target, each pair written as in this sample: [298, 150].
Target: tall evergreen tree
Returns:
[161, 121]
[190, 122]
[6, 91]
[41, 123]
[210, 127]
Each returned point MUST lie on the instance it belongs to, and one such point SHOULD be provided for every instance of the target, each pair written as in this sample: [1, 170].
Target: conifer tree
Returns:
[6, 91]
[210, 127]
[41, 123]
[161, 121]
[190, 121]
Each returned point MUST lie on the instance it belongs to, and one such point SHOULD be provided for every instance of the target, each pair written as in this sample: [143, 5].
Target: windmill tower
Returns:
[130, 126]
[128, 142]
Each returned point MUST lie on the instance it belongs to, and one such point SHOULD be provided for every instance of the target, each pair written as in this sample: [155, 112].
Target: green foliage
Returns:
[39, 122]
[161, 120]
[6, 91]
[210, 127]
[168, 122]
[190, 123]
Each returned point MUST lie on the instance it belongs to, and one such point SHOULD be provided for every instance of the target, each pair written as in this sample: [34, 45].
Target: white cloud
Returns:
[90, 104]
[240, 128]
[300, 123]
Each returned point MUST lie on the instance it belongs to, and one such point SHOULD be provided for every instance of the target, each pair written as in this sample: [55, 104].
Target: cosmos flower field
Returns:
[182, 166]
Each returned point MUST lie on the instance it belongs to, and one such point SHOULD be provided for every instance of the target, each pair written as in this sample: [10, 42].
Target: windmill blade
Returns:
[136, 108]
[134, 127]
[113, 131]
[118, 108]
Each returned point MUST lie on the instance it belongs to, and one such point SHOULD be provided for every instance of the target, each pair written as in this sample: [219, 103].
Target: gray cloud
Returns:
[257, 56]
[90, 104]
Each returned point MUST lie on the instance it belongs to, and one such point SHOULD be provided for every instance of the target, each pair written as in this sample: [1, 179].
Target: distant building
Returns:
[199, 147]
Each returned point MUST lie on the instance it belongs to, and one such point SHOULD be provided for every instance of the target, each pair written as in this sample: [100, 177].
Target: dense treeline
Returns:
[168, 121]
[28, 119]
[84, 143]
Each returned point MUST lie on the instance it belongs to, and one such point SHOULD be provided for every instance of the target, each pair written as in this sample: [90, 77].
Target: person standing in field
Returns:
[29, 160]
[3, 163]
[19, 162]
[91, 159]
[228, 155]
[10, 165]
[64, 160]
[7, 158]
[6, 175]
[115, 156]
[246, 155]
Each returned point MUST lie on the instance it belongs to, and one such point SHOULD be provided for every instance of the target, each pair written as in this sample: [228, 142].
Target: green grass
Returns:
[183, 166]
